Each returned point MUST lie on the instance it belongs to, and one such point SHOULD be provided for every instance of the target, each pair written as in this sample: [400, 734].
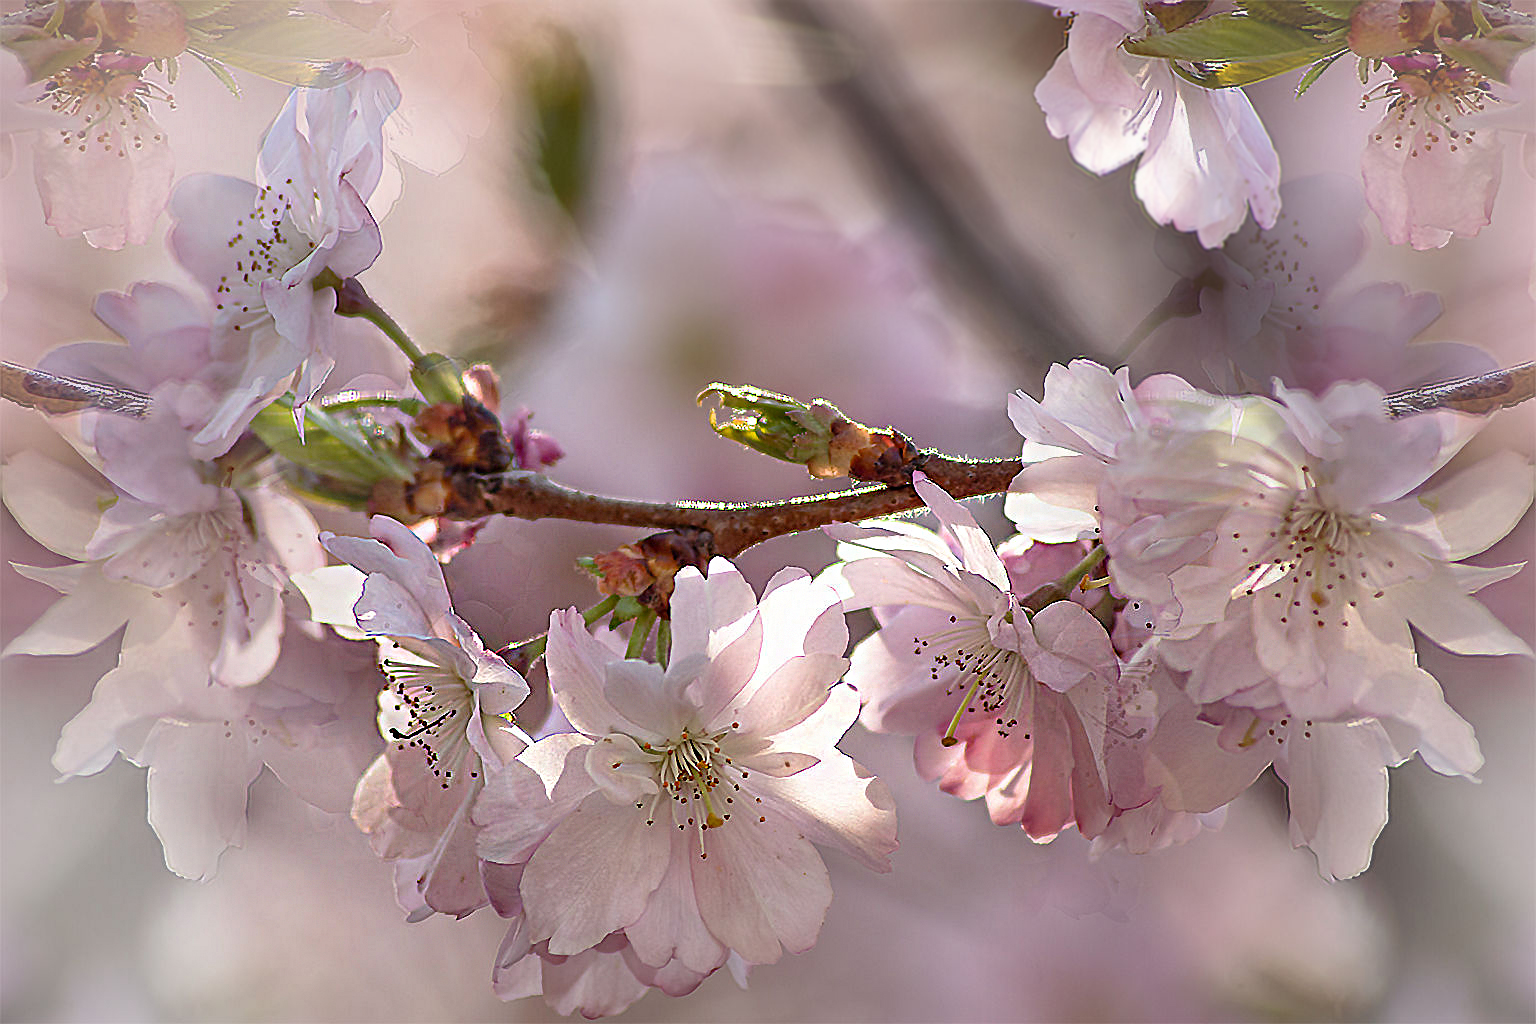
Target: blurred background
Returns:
[857, 201]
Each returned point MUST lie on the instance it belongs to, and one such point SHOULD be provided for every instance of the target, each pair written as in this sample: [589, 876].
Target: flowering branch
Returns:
[729, 528]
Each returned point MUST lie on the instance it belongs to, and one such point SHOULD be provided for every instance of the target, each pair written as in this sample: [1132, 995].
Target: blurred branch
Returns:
[1485, 393]
[924, 173]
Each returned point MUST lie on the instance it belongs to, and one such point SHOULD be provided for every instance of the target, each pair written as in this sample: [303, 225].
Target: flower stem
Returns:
[640, 633]
[1081, 569]
[532, 648]
[432, 373]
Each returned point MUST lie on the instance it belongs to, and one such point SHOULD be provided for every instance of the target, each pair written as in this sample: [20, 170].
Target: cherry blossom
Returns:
[673, 829]
[1005, 701]
[1284, 554]
[258, 248]
[1272, 303]
[195, 571]
[1206, 159]
[1335, 772]
[445, 715]
[106, 172]
[1429, 175]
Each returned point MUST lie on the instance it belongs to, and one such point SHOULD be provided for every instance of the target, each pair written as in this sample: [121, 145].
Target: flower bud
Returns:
[815, 435]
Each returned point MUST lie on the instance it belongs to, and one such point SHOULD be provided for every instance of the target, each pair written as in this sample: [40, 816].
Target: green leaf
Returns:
[1232, 37]
[1230, 76]
[334, 447]
[563, 134]
[1315, 70]
[1341, 9]
[1289, 12]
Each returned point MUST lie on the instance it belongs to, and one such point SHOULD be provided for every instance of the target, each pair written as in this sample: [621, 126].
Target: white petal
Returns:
[1337, 784]
[198, 779]
[762, 885]
[671, 925]
[57, 507]
[1480, 504]
[94, 609]
[1453, 620]
[594, 874]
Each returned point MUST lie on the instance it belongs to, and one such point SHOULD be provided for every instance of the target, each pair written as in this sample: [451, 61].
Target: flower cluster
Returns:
[1203, 584]
[1162, 81]
[671, 832]
[1272, 553]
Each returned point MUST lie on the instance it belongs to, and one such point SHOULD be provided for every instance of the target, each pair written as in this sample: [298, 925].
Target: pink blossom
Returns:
[730, 749]
[1270, 304]
[1206, 159]
[258, 248]
[1283, 555]
[195, 571]
[1429, 175]
[445, 714]
[105, 173]
[1087, 411]
[1335, 772]
[1018, 706]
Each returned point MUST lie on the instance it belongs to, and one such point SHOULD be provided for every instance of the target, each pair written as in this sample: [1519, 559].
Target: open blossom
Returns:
[1206, 159]
[195, 570]
[1286, 553]
[1268, 304]
[1016, 704]
[673, 830]
[1335, 773]
[445, 715]
[1430, 172]
[105, 173]
[258, 248]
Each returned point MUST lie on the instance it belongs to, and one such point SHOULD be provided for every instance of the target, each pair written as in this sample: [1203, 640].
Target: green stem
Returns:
[1083, 568]
[664, 642]
[433, 374]
[404, 403]
[534, 646]
[640, 633]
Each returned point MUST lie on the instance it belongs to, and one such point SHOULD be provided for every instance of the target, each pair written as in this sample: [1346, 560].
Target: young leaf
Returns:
[1232, 37]
[1289, 12]
[1315, 70]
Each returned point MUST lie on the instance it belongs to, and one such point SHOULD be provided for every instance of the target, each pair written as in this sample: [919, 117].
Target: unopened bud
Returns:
[645, 569]
[816, 435]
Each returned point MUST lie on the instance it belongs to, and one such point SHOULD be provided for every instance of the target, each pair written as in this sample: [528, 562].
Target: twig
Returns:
[729, 528]
[926, 176]
[1480, 395]
[732, 527]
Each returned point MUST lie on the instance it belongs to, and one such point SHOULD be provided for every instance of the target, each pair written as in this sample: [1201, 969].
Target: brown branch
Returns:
[729, 528]
[1480, 395]
[732, 527]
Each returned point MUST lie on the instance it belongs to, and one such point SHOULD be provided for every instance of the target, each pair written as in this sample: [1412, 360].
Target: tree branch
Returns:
[732, 526]
[729, 528]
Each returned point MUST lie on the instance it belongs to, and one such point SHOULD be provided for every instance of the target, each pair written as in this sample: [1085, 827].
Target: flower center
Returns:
[267, 243]
[1425, 107]
[990, 679]
[1312, 563]
[699, 778]
[437, 704]
[108, 106]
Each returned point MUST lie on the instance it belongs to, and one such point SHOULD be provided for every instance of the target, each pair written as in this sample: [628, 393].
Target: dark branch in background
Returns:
[925, 175]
